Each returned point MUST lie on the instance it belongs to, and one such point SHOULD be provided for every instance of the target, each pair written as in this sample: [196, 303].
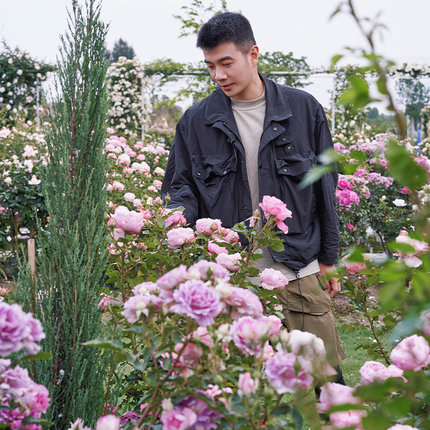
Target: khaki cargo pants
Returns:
[307, 307]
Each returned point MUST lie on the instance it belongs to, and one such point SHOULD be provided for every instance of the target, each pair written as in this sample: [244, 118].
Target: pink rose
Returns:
[412, 353]
[343, 184]
[216, 249]
[246, 384]
[286, 372]
[195, 300]
[190, 354]
[425, 318]
[333, 394]
[271, 279]
[373, 371]
[36, 398]
[230, 261]
[180, 236]
[173, 278]
[134, 307]
[350, 227]
[306, 344]
[207, 226]
[394, 372]
[249, 333]
[202, 335]
[353, 267]
[178, 420]
[108, 422]
[207, 270]
[405, 190]
[244, 302]
[176, 219]
[226, 235]
[347, 419]
[130, 221]
[129, 197]
[276, 208]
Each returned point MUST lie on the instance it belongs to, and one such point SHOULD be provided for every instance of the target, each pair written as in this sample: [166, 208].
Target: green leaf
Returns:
[406, 327]
[112, 345]
[277, 245]
[378, 421]
[281, 410]
[403, 167]
[404, 248]
[334, 60]
[399, 406]
[34, 420]
[39, 356]
[357, 95]
[297, 418]
[315, 174]
[392, 296]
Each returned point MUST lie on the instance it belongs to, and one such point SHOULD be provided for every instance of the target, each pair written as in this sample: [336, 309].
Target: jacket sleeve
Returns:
[326, 196]
[178, 182]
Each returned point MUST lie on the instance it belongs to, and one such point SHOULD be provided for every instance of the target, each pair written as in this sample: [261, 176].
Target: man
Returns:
[252, 137]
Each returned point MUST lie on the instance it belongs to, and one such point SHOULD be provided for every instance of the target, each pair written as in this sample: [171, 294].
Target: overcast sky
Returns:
[300, 26]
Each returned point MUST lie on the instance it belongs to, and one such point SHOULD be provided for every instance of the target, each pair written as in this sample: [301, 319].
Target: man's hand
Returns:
[332, 285]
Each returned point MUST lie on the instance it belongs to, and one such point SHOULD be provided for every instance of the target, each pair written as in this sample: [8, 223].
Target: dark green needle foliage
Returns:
[72, 251]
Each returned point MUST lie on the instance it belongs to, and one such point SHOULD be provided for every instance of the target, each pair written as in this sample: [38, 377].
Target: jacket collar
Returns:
[218, 105]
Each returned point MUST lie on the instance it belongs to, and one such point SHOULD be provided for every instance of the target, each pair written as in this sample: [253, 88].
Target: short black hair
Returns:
[226, 27]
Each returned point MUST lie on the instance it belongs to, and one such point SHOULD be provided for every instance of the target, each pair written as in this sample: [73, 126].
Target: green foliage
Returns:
[19, 76]
[120, 49]
[414, 95]
[72, 254]
[273, 64]
[197, 13]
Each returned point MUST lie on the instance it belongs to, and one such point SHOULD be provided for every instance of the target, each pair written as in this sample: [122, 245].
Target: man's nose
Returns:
[220, 74]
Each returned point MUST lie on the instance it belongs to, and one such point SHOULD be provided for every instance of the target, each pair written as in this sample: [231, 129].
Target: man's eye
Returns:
[227, 64]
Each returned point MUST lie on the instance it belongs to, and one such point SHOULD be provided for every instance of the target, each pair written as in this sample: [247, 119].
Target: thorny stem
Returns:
[364, 302]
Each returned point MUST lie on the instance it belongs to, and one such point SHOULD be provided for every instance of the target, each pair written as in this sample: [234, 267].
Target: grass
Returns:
[355, 357]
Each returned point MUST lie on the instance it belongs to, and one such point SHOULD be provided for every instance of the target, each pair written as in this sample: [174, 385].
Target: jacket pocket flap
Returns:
[205, 166]
[292, 167]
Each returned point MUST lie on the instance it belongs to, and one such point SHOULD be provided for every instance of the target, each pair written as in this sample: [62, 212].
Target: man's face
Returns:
[233, 71]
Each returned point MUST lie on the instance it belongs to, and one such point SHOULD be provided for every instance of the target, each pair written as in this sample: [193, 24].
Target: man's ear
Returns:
[253, 54]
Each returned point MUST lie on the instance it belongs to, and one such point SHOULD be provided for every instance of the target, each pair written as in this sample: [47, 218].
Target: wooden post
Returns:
[31, 246]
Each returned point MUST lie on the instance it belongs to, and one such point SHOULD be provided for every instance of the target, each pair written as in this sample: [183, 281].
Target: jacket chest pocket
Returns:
[293, 168]
[212, 172]
[301, 201]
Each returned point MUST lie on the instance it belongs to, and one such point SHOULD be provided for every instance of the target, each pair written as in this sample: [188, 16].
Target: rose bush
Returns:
[22, 400]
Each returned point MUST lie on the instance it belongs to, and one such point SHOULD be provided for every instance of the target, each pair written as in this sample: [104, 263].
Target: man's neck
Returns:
[255, 90]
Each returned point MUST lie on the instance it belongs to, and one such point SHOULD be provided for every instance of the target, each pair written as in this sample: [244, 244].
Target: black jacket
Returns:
[206, 170]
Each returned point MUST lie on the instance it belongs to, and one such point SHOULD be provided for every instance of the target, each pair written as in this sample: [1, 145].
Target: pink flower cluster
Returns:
[273, 207]
[373, 371]
[213, 229]
[18, 330]
[250, 334]
[193, 413]
[200, 292]
[128, 221]
[21, 397]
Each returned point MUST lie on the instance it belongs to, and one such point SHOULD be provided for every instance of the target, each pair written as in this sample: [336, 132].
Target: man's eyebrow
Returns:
[221, 59]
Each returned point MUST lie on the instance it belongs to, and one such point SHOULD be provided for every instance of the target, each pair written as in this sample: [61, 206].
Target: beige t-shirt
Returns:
[249, 116]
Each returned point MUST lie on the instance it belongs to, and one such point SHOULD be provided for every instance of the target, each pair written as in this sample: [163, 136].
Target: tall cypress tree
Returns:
[72, 257]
